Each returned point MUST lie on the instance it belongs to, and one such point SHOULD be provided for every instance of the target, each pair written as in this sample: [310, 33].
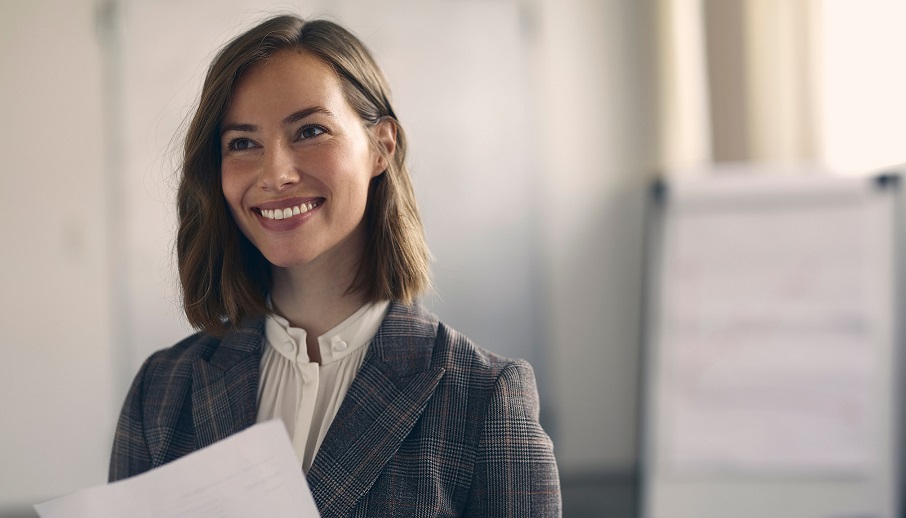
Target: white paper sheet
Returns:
[252, 473]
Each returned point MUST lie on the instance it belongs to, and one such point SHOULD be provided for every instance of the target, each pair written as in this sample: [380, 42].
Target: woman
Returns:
[300, 253]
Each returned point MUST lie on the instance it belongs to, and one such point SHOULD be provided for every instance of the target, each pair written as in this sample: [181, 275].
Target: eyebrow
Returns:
[289, 119]
[301, 114]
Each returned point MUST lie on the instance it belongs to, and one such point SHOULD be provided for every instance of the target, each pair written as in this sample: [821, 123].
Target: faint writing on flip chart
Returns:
[768, 327]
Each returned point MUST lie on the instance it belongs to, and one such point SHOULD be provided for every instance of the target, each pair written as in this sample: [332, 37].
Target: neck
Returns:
[315, 298]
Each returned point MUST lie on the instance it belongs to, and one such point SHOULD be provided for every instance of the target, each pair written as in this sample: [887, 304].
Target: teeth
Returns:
[288, 212]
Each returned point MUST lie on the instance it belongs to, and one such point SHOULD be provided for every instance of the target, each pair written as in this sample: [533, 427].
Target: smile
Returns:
[288, 212]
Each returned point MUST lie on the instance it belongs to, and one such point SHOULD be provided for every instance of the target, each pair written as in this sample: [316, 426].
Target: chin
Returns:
[287, 261]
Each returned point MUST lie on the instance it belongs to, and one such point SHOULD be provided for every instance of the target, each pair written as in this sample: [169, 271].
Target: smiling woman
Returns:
[301, 253]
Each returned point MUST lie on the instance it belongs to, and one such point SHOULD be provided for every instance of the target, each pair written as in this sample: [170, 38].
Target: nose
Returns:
[279, 169]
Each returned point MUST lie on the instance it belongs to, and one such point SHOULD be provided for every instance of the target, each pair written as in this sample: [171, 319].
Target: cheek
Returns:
[356, 194]
[233, 192]
[231, 184]
[357, 171]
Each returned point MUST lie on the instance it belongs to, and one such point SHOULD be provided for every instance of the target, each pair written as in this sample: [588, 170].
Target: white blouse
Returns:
[304, 394]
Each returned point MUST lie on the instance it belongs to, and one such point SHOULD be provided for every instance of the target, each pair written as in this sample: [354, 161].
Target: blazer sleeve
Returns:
[515, 470]
[130, 455]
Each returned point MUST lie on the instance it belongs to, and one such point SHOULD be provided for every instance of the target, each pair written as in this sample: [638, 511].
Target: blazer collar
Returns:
[225, 386]
[382, 405]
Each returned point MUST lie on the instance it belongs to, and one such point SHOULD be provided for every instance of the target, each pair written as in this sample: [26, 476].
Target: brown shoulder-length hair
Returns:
[224, 277]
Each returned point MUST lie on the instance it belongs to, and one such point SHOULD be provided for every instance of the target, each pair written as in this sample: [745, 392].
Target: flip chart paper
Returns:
[772, 340]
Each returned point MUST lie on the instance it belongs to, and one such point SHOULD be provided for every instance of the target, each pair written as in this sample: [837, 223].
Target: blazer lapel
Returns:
[384, 402]
[225, 387]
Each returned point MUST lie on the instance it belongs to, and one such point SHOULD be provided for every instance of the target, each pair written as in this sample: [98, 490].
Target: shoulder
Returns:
[182, 355]
[179, 360]
[459, 355]
[500, 407]
[506, 385]
[418, 336]
[470, 371]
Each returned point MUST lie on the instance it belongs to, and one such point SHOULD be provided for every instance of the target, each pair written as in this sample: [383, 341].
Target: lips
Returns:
[282, 210]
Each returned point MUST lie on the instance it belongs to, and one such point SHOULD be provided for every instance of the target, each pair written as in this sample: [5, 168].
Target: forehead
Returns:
[287, 80]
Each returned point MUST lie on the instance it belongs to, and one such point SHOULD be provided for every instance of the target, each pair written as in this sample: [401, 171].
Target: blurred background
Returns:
[536, 128]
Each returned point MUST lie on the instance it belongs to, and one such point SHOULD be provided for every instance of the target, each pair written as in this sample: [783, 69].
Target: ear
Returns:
[385, 138]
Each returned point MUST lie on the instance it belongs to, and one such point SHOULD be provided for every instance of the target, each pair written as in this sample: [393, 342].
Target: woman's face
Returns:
[297, 162]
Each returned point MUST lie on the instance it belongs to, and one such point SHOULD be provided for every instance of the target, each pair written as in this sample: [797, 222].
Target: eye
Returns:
[240, 144]
[307, 132]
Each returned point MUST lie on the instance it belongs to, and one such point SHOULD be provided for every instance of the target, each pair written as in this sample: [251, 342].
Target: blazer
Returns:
[432, 425]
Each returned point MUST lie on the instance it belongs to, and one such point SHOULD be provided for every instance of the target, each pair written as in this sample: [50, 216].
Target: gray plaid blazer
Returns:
[431, 426]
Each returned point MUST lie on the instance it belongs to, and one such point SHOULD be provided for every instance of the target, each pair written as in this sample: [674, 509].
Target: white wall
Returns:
[56, 397]
[596, 63]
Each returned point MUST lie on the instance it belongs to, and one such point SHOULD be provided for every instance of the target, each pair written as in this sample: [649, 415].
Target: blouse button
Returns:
[340, 346]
